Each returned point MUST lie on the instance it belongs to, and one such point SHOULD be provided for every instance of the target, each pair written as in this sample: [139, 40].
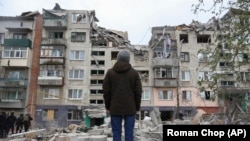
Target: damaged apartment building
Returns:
[53, 65]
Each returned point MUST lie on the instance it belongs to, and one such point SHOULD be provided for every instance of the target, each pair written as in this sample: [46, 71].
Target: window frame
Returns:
[186, 95]
[78, 37]
[75, 94]
[184, 56]
[165, 95]
[75, 17]
[75, 55]
[76, 74]
[185, 75]
[145, 95]
[74, 114]
[53, 93]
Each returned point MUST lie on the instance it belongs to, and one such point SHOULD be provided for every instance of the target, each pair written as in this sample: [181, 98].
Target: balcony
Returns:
[165, 83]
[17, 42]
[52, 61]
[53, 41]
[159, 62]
[10, 83]
[55, 81]
[14, 62]
[55, 24]
[6, 103]
[233, 90]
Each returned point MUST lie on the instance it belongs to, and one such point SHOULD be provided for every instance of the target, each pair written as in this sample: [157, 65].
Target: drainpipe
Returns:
[178, 81]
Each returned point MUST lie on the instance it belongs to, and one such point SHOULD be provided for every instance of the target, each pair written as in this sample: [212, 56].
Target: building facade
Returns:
[53, 67]
[17, 36]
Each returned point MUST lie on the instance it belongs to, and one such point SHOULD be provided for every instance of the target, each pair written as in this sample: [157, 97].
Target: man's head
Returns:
[123, 55]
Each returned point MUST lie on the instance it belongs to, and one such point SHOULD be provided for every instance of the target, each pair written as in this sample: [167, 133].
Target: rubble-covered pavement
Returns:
[148, 129]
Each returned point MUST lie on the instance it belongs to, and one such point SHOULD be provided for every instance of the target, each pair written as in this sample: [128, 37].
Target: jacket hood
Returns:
[121, 66]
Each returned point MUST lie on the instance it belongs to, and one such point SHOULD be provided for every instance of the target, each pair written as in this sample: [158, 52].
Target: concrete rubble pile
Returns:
[148, 129]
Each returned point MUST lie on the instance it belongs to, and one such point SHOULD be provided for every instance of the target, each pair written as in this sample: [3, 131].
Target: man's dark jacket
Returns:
[122, 89]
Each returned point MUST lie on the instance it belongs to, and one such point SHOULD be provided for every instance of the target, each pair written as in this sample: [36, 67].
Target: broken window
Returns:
[186, 95]
[204, 57]
[98, 53]
[78, 36]
[207, 95]
[97, 62]
[97, 72]
[55, 35]
[243, 57]
[184, 38]
[185, 56]
[75, 114]
[225, 55]
[79, 18]
[227, 83]
[142, 114]
[165, 95]
[223, 64]
[96, 91]
[166, 72]
[96, 121]
[114, 55]
[144, 75]
[166, 115]
[94, 101]
[96, 82]
[204, 75]
[203, 38]
[140, 55]
[245, 76]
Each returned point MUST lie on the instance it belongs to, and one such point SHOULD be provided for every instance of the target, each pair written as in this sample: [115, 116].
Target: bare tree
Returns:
[230, 55]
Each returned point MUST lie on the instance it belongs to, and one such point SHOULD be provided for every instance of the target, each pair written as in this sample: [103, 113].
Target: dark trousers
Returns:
[19, 128]
[116, 124]
[26, 126]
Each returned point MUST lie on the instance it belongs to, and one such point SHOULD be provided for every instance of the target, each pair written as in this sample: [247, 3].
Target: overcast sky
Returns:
[137, 17]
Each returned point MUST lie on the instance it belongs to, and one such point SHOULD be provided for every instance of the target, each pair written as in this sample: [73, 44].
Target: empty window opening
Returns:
[97, 62]
[203, 38]
[184, 38]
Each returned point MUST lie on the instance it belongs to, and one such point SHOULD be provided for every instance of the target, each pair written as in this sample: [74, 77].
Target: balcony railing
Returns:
[158, 62]
[58, 81]
[5, 82]
[53, 41]
[17, 42]
[165, 83]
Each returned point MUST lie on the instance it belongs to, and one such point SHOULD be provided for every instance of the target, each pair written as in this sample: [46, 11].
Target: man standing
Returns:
[11, 120]
[27, 122]
[19, 124]
[122, 90]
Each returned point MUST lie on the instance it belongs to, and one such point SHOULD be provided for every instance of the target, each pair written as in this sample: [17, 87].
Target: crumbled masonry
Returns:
[148, 129]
